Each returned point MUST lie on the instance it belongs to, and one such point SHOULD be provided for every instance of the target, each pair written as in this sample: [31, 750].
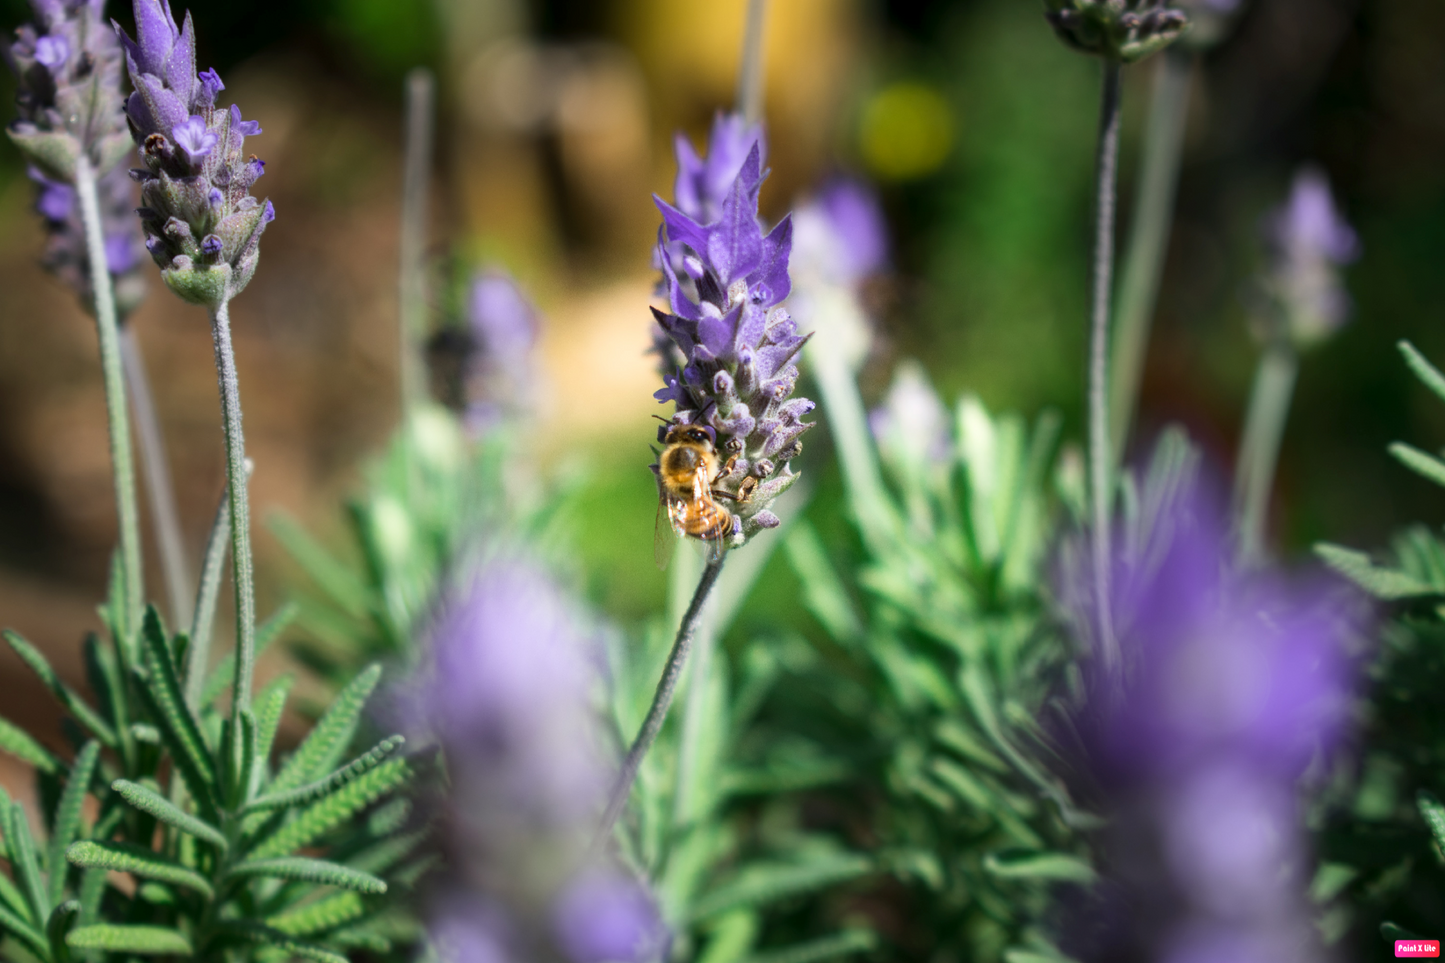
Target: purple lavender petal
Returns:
[164, 110]
[52, 52]
[210, 85]
[180, 66]
[246, 128]
[156, 35]
[681, 228]
[502, 321]
[773, 269]
[120, 254]
[605, 917]
[857, 221]
[194, 138]
[735, 243]
[1310, 222]
[691, 169]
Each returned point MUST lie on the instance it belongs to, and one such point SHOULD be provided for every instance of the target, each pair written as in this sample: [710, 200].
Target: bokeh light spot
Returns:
[906, 131]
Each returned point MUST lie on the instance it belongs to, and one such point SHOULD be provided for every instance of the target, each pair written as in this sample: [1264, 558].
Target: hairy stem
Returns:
[165, 517]
[122, 465]
[203, 626]
[750, 74]
[1269, 403]
[661, 701]
[420, 98]
[1148, 238]
[240, 517]
[1100, 461]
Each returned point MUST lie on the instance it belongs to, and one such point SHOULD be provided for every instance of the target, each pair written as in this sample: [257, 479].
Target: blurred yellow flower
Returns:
[906, 131]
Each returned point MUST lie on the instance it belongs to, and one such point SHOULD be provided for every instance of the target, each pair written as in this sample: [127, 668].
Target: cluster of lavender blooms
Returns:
[1119, 30]
[1232, 686]
[1310, 241]
[509, 696]
[203, 227]
[498, 378]
[730, 366]
[67, 64]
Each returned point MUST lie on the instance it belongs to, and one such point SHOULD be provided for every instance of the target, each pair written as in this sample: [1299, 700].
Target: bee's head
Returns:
[691, 435]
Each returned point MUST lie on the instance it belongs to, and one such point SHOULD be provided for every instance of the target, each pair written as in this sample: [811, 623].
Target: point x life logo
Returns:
[1417, 948]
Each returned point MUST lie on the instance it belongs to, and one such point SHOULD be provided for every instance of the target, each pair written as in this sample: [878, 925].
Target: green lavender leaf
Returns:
[332, 734]
[309, 870]
[143, 940]
[162, 689]
[325, 787]
[324, 914]
[58, 926]
[824, 948]
[20, 928]
[254, 932]
[823, 592]
[162, 809]
[388, 852]
[1047, 867]
[1428, 374]
[1426, 466]
[270, 706]
[92, 888]
[38, 664]
[19, 744]
[334, 578]
[136, 860]
[1434, 814]
[67, 818]
[21, 846]
[334, 809]
[761, 883]
[1383, 583]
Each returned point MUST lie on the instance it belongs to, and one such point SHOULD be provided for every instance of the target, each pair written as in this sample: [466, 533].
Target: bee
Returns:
[686, 470]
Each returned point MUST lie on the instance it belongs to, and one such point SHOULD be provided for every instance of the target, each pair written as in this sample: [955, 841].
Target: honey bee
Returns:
[686, 470]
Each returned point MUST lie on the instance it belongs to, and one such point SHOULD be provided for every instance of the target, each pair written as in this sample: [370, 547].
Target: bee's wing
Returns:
[664, 534]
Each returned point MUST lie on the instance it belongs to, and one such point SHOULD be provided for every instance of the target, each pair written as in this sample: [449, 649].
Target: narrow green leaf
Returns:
[160, 688]
[259, 933]
[1434, 814]
[334, 810]
[19, 744]
[325, 787]
[67, 817]
[164, 810]
[388, 852]
[92, 888]
[266, 633]
[763, 883]
[144, 940]
[324, 914]
[331, 736]
[1047, 867]
[270, 707]
[334, 578]
[845, 943]
[38, 664]
[823, 592]
[1424, 370]
[1383, 583]
[311, 871]
[23, 862]
[22, 929]
[58, 925]
[1426, 466]
[203, 622]
[136, 860]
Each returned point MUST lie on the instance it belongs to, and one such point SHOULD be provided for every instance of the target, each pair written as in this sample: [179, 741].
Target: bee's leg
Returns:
[719, 493]
[727, 467]
[745, 490]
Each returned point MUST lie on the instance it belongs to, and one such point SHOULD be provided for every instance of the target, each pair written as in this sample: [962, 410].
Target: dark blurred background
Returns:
[556, 120]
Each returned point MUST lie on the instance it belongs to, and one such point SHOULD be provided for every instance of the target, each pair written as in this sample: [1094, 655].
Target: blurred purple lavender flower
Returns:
[724, 280]
[65, 250]
[703, 183]
[911, 425]
[68, 66]
[1232, 683]
[841, 234]
[1311, 241]
[499, 376]
[203, 227]
[509, 697]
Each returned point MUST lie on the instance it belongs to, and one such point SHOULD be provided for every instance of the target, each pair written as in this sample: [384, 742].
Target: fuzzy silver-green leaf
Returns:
[144, 940]
[136, 860]
[154, 804]
[309, 870]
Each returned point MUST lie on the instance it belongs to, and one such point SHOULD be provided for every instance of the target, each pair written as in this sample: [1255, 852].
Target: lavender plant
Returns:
[187, 800]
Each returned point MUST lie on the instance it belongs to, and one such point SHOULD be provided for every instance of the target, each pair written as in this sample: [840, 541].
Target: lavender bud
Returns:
[736, 343]
[1309, 243]
[197, 176]
[68, 67]
[1121, 30]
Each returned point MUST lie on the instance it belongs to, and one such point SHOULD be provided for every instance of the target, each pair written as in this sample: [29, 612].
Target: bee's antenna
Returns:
[665, 421]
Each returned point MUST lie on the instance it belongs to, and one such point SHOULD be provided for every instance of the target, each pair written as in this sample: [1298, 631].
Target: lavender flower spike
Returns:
[1311, 242]
[68, 66]
[202, 226]
[738, 343]
[65, 252]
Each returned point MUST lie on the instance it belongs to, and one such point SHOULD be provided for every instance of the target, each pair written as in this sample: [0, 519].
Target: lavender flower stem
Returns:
[122, 462]
[1269, 403]
[1100, 461]
[203, 625]
[661, 701]
[157, 475]
[1148, 237]
[420, 95]
[750, 74]
[240, 514]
